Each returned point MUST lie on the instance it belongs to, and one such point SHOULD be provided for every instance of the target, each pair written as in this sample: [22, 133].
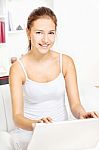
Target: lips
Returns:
[44, 45]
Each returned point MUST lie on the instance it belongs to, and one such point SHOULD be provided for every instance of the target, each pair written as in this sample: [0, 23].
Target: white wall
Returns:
[78, 36]
[16, 42]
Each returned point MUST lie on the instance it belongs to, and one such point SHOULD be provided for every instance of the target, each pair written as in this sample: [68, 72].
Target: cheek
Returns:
[36, 38]
[33, 39]
[52, 39]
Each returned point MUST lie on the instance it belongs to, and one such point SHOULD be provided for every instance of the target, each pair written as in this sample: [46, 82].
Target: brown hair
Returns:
[39, 13]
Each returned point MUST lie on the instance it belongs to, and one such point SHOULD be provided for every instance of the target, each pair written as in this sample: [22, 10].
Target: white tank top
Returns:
[45, 99]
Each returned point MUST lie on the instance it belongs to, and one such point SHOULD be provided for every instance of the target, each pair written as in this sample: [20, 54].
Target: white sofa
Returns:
[6, 123]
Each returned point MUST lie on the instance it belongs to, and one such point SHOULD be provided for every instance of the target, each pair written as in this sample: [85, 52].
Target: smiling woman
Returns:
[43, 76]
[39, 37]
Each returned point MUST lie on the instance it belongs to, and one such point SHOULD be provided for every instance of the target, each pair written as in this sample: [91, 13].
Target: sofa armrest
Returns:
[3, 124]
[5, 92]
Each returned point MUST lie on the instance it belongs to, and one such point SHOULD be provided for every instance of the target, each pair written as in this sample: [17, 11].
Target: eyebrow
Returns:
[43, 30]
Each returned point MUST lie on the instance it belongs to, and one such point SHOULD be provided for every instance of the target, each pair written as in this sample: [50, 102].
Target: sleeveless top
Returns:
[45, 99]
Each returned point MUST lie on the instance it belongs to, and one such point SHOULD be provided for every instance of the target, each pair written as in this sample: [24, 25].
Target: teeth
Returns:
[45, 45]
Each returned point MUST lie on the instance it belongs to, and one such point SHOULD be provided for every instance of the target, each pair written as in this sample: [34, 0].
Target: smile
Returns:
[44, 45]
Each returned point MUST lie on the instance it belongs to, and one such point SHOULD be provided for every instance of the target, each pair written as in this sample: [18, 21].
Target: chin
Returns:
[44, 51]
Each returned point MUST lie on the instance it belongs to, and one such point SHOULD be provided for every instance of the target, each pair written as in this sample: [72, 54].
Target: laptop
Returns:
[82, 134]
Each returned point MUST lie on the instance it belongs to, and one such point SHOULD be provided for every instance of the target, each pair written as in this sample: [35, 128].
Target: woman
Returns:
[39, 80]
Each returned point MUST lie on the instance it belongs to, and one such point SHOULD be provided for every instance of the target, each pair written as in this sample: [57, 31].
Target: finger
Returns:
[84, 116]
[81, 117]
[88, 115]
[91, 115]
[45, 120]
[97, 114]
[33, 125]
[49, 119]
[39, 121]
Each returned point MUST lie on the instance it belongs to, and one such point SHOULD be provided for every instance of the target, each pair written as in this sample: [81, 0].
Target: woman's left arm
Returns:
[70, 77]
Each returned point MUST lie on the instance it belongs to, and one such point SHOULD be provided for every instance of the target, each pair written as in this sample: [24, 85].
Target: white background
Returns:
[77, 36]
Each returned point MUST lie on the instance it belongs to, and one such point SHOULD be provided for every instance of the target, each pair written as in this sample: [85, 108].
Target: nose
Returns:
[45, 38]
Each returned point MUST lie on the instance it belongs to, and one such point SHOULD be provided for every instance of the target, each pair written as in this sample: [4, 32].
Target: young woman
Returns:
[39, 80]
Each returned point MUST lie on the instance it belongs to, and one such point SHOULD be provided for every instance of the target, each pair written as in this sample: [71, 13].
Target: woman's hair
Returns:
[38, 13]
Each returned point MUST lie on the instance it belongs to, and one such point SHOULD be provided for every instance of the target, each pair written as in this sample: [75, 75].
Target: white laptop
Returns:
[80, 134]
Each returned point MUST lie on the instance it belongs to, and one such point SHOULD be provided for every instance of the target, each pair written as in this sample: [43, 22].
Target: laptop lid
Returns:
[67, 135]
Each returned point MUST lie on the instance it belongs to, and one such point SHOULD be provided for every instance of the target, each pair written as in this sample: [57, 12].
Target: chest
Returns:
[39, 92]
[43, 72]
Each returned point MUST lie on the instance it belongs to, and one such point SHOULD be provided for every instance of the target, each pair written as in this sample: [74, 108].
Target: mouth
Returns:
[44, 45]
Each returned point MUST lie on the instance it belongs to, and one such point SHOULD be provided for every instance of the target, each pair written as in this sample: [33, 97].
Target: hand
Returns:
[46, 120]
[87, 115]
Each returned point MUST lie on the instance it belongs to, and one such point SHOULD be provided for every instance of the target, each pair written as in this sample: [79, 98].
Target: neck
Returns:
[38, 56]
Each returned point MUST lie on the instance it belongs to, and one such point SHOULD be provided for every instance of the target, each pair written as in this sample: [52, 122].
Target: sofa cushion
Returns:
[3, 125]
[5, 92]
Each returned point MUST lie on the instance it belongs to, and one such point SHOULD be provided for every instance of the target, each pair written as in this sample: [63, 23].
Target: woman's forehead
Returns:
[44, 23]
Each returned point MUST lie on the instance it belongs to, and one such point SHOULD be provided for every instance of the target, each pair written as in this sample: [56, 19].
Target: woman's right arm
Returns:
[16, 79]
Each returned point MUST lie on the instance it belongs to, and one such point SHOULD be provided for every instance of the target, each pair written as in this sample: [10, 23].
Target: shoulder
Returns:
[16, 66]
[55, 53]
[67, 60]
[67, 64]
[16, 71]
[65, 57]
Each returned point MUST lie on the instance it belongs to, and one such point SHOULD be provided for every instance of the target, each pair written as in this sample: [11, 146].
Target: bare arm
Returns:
[16, 79]
[72, 90]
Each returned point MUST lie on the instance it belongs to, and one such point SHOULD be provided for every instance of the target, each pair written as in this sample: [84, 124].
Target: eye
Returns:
[38, 32]
[51, 32]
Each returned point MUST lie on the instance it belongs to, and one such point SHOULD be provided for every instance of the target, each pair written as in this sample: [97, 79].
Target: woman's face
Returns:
[42, 35]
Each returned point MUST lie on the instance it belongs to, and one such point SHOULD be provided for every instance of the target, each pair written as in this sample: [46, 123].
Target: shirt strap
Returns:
[61, 62]
[22, 65]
